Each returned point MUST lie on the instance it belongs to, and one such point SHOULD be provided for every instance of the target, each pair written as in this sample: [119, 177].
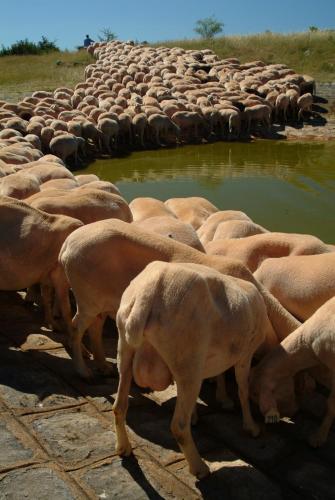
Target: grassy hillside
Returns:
[310, 53]
[21, 75]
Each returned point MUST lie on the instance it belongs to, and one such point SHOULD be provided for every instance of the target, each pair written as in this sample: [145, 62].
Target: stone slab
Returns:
[99, 391]
[308, 476]
[38, 483]
[74, 437]
[231, 478]
[16, 447]
[133, 478]
[150, 428]
[27, 386]
[266, 450]
[44, 339]
[299, 430]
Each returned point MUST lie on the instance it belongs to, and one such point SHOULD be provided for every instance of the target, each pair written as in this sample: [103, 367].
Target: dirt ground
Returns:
[57, 439]
[320, 126]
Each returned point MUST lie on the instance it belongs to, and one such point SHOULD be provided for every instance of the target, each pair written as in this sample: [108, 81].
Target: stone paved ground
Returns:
[57, 439]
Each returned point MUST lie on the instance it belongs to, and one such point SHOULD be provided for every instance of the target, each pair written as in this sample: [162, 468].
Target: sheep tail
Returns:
[132, 318]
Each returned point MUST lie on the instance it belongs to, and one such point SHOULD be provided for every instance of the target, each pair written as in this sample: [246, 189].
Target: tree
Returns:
[208, 27]
[313, 29]
[107, 35]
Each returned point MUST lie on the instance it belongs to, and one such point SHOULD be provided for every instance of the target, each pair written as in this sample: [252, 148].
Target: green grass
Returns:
[307, 53]
[22, 75]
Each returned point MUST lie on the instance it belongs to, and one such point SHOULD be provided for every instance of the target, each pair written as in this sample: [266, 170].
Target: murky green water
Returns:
[284, 186]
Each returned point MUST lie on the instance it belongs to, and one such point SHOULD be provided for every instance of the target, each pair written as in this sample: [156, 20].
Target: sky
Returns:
[68, 21]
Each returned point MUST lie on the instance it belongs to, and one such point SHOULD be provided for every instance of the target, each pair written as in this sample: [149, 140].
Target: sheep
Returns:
[170, 227]
[109, 131]
[24, 263]
[310, 345]
[161, 125]
[145, 208]
[193, 210]
[237, 229]
[301, 283]
[259, 113]
[304, 104]
[281, 106]
[19, 185]
[66, 145]
[129, 250]
[252, 250]
[208, 228]
[189, 343]
[87, 205]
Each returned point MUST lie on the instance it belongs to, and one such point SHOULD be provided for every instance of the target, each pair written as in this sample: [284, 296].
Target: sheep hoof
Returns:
[316, 440]
[227, 404]
[202, 471]
[124, 451]
[253, 429]
[86, 373]
[86, 353]
[272, 417]
[108, 370]
[194, 418]
[55, 325]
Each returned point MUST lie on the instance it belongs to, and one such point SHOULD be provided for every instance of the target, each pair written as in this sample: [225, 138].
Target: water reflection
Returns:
[285, 186]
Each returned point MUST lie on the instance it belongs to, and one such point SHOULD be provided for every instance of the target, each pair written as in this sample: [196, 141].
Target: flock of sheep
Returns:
[194, 290]
[139, 96]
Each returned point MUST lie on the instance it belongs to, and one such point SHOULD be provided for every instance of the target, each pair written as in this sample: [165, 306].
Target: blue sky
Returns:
[67, 21]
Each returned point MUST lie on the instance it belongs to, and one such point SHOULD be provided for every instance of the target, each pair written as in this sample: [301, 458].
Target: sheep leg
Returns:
[188, 388]
[46, 294]
[157, 137]
[62, 303]
[61, 287]
[242, 370]
[221, 393]
[33, 295]
[196, 132]
[80, 324]
[107, 144]
[320, 436]
[141, 136]
[95, 332]
[120, 407]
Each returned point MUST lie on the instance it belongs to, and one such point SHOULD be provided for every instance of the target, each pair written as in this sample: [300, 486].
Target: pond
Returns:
[284, 186]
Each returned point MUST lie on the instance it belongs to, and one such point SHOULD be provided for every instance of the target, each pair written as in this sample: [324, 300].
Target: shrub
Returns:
[25, 47]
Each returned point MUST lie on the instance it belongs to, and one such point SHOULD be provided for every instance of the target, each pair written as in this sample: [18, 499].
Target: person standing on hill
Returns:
[87, 41]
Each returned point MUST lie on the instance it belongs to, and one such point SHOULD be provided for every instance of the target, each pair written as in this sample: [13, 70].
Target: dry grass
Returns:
[22, 75]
